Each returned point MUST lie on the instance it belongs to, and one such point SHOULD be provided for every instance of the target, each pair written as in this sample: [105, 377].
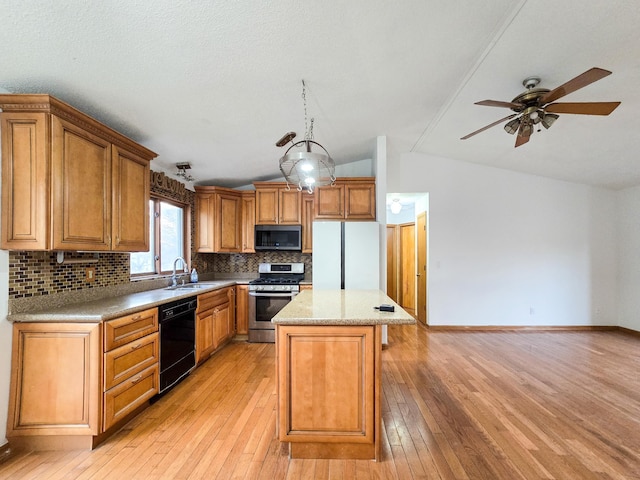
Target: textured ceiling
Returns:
[217, 83]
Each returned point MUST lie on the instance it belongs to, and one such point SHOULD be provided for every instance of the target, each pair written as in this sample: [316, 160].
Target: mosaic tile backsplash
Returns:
[38, 273]
[237, 263]
[37, 276]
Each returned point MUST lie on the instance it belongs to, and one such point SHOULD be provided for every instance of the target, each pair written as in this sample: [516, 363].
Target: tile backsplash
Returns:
[36, 278]
[38, 273]
[237, 263]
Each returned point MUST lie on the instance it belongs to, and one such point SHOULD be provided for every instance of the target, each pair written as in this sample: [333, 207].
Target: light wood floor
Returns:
[456, 405]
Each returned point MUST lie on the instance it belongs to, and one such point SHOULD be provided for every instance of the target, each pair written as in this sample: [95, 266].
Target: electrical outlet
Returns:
[532, 311]
[90, 274]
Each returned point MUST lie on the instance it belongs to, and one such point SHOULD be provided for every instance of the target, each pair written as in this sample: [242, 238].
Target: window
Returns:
[168, 238]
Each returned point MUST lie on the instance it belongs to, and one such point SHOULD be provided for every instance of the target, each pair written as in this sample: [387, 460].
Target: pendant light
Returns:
[306, 164]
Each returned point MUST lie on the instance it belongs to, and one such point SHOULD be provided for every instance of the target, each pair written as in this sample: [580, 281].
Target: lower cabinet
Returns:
[242, 309]
[71, 382]
[131, 364]
[329, 390]
[55, 380]
[127, 396]
[215, 321]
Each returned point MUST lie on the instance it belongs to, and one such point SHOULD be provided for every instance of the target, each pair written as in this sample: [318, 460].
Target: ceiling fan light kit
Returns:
[534, 106]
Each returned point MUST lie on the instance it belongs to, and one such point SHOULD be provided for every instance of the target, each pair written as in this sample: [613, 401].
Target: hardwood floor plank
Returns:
[498, 405]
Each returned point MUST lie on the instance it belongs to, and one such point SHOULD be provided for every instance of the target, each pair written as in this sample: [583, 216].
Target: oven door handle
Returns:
[272, 294]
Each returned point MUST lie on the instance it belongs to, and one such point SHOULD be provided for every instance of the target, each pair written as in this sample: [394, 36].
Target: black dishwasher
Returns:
[177, 341]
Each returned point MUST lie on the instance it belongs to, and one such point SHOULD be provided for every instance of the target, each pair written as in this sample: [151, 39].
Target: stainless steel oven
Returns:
[278, 285]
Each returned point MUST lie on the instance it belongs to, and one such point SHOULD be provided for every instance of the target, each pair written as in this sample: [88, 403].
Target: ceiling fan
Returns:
[534, 106]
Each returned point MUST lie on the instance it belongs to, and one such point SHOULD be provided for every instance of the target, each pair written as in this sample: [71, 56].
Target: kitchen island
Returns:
[329, 368]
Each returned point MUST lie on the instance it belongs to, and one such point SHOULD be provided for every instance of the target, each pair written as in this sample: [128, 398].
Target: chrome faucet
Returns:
[174, 277]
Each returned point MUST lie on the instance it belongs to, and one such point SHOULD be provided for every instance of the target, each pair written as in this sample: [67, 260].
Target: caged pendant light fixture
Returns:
[306, 163]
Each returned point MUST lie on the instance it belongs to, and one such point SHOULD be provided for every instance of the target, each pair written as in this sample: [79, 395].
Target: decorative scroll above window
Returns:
[159, 181]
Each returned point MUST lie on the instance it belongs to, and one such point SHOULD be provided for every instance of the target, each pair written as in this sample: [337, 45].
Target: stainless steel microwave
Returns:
[278, 237]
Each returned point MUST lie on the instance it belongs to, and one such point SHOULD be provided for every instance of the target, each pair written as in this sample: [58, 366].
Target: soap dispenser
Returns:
[194, 276]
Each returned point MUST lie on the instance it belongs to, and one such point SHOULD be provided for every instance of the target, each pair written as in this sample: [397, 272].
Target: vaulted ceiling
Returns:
[216, 83]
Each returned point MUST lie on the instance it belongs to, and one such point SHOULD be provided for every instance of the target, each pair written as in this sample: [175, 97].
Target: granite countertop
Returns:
[97, 311]
[341, 307]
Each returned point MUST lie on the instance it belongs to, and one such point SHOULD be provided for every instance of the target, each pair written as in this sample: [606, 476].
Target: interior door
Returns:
[408, 267]
[392, 262]
[421, 273]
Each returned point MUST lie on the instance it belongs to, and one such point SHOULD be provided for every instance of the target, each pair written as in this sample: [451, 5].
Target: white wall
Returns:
[513, 249]
[629, 258]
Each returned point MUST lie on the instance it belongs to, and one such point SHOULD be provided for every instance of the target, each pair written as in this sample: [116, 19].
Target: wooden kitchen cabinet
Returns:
[218, 220]
[72, 382]
[248, 221]
[348, 199]
[308, 216]
[329, 390]
[55, 381]
[68, 181]
[277, 204]
[131, 364]
[131, 188]
[242, 309]
[215, 321]
[204, 334]
[329, 202]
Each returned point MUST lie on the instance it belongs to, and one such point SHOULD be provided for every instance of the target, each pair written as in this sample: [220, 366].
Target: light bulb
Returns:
[395, 206]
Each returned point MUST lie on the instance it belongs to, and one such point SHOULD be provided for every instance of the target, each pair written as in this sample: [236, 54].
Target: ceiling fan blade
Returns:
[574, 84]
[498, 103]
[524, 132]
[586, 108]
[489, 126]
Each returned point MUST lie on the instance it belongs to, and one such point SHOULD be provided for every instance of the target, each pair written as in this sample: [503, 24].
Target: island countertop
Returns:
[341, 307]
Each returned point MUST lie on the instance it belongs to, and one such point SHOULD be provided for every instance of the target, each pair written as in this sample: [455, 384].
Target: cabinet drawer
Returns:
[120, 331]
[129, 395]
[124, 362]
[213, 299]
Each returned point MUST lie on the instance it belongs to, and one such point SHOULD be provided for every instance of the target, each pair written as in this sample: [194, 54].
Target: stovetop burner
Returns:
[274, 281]
[276, 277]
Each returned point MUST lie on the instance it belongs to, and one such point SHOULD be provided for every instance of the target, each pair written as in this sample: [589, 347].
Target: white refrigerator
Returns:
[346, 255]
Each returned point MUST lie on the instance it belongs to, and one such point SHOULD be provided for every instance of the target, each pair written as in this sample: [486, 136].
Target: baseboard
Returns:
[522, 328]
[6, 452]
[629, 331]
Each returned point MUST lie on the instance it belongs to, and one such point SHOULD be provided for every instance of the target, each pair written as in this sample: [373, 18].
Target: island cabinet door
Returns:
[327, 390]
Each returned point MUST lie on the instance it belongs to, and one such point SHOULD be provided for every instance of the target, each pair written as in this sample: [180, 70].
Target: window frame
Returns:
[154, 237]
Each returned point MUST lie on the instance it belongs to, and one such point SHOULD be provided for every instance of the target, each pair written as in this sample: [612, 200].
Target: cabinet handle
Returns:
[135, 347]
[136, 380]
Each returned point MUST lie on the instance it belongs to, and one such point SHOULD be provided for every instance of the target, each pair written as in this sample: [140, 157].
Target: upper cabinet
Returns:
[248, 221]
[277, 204]
[348, 199]
[68, 181]
[218, 220]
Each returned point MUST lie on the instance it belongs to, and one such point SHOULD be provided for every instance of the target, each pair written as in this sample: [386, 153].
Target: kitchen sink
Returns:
[186, 286]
